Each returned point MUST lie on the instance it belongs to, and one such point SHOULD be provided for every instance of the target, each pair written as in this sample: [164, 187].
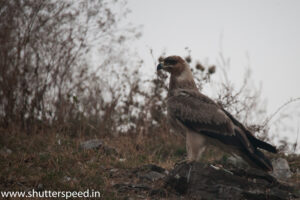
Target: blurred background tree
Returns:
[44, 57]
[69, 65]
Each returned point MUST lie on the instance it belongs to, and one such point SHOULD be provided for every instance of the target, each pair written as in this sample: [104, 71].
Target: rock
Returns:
[5, 151]
[109, 150]
[281, 169]
[155, 168]
[40, 187]
[125, 187]
[91, 144]
[153, 176]
[196, 180]
[158, 192]
[66, 179]
[92, 160]
[237, 161]
[113, 170]
[113, 173]
[8, 151]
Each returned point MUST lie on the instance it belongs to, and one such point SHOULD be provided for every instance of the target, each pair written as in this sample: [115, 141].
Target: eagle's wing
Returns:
[200, 114]
[255, 142]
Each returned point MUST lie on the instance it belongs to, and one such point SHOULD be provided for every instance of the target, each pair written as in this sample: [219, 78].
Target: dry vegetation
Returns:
[52, 98]
[58, 163]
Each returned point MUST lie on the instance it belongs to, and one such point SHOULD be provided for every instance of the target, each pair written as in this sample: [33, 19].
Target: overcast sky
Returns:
[268, 31]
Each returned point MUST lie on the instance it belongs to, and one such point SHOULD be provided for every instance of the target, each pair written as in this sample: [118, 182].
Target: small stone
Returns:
[153, 176]
[66, 179]
[5, 151]
[40, 187]
[8, 151]
[91, 144]
[113, 170]
[92, 160]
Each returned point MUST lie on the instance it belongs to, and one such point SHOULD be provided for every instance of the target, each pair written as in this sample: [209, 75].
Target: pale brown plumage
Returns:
[205, 122]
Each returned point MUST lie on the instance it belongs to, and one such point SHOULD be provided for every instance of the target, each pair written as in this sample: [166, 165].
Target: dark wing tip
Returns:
[263, 145]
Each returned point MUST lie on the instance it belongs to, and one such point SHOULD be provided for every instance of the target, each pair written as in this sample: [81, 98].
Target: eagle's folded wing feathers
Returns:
[199, 113]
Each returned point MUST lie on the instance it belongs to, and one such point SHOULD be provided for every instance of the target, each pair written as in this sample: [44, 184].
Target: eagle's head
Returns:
[181, 74]
[175, 65]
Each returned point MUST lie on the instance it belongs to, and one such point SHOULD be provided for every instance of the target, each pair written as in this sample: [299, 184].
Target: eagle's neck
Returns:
[183, 81]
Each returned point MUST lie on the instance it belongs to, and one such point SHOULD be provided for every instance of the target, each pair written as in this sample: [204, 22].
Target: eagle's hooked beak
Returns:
[159, 67]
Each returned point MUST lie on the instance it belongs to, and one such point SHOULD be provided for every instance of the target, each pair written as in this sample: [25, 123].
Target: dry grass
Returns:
[163, 150]
[58, 163]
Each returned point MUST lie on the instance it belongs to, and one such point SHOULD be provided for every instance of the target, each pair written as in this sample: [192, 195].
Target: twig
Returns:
[279, 109]
[189, 174]
[296, 142]
[151, 53]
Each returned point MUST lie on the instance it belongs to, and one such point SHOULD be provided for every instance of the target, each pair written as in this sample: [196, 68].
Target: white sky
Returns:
[267, 30]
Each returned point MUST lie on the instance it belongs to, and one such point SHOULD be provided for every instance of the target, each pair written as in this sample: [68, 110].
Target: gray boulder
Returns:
[281, 169]
[196, 180]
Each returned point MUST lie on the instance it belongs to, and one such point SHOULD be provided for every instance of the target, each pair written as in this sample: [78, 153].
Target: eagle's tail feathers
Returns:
[258, 160]
[261, 144]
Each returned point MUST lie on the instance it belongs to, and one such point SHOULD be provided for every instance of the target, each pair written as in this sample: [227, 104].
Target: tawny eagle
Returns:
[205, 122]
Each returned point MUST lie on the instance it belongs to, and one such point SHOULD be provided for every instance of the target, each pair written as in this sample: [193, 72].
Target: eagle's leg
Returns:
[200, 151]
[195, 146]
